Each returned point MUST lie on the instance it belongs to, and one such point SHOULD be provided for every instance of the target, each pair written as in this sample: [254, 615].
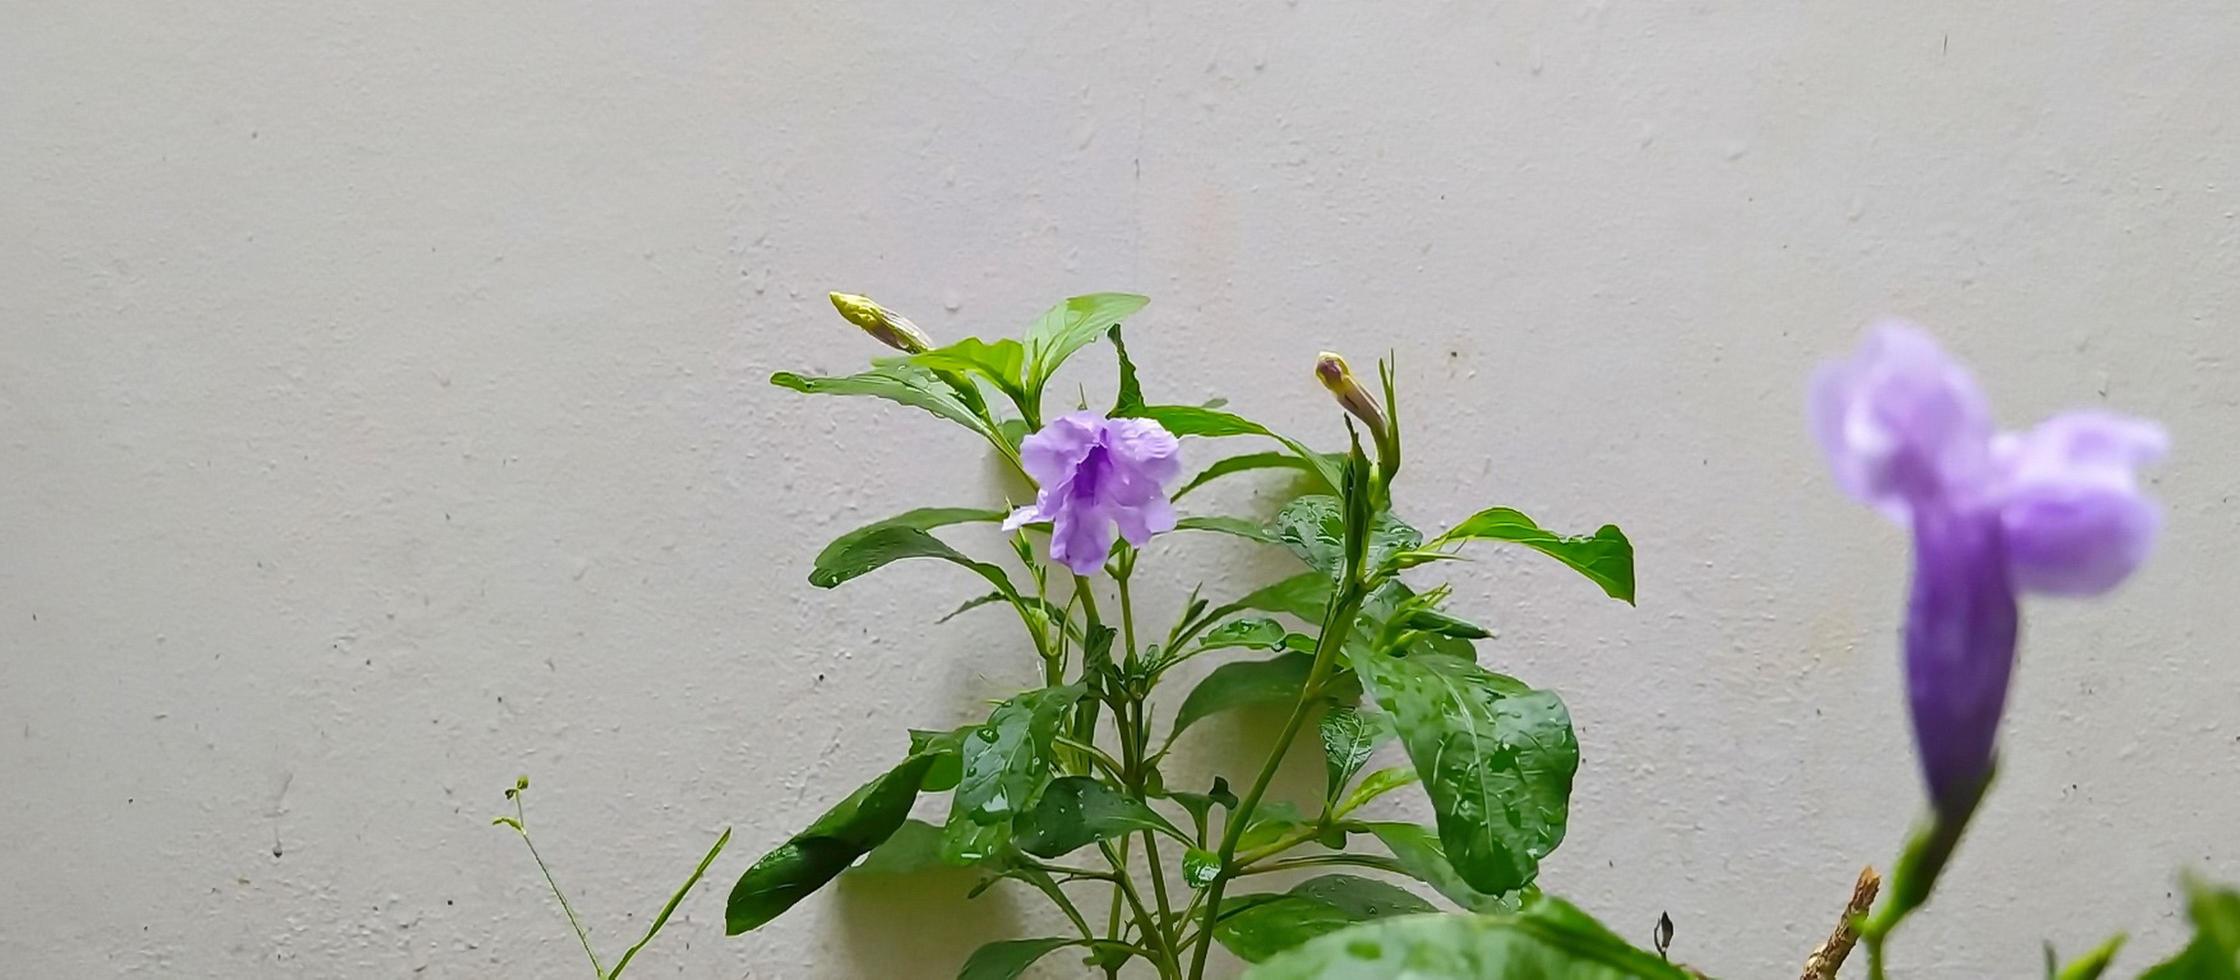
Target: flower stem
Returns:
[521, 826]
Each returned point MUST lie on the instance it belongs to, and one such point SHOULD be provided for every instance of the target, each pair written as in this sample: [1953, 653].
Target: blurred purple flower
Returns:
[2055, 510]
[1097, 474]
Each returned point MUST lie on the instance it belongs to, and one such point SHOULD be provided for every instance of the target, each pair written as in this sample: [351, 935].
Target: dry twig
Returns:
[1825, 961]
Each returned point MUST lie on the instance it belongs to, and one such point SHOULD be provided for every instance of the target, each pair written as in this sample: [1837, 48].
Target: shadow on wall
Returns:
[915, 925]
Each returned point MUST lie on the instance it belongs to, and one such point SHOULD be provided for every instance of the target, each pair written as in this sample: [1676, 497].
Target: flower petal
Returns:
[1081, 538]
[1050, 454]
[2075, 519]
[1901, 422]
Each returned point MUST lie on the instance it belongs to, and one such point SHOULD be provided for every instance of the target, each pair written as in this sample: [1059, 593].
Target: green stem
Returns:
[1096, 755]
[1154, 936]
[1377, 861]
[1337, 621]
[521, 826]
[1126, 567]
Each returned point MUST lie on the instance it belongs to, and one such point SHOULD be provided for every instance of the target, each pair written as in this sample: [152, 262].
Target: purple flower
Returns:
[2055, 510]
[1097, 474]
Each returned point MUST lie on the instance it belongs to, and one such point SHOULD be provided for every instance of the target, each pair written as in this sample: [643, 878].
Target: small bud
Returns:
[884, 325]
[1337, 376]
[1663, 938]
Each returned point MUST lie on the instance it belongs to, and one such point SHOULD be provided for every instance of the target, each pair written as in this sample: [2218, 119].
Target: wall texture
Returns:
[382, 415]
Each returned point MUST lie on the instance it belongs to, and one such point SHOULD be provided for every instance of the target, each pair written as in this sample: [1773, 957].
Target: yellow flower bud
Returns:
[1337, 376]
[884, 325]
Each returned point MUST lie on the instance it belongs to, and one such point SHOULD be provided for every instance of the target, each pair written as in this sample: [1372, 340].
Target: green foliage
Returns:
[1302, 596]
[2087, 967]
[1001, 364]
[1549, 941]
[1349, 736]
[1007, 959]
[855, 825]
[907, 384]
[1007, 764]
[1374, 785]
[2214, 953]
[1422, 857]
[1068, 327]
[1233, 526]
[1076, 811]
[1264, 925]
[874, 546]
[1195, 420]
[1244, 682]
[1496, 757]
[1129, 401]
[1260, 461]
[1604, 556]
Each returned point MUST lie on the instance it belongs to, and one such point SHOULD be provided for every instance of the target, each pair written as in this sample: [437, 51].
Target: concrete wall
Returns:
[382, 415]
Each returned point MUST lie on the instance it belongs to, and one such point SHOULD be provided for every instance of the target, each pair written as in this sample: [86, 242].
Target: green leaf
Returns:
[947, 749]
[1070, 326]
[1550, 941]
[1362, 898]
[2087, 967]
[907, 384]
[871, 546]
[1314, 528]
[1200, 804]
[1199, 866]
[1272, 821]
[1006, 960]
[1195, 420]
[971, 604]
[1001, 363]
[1303, 595]
[1076, 811]
[1267, 924]
[1349, 737]
[1243, 682]
[2214, 953]
[1434, 621]
[1264, 925]
[1377, 784]
[914, 847]
[1006, 765]
[1130, 399]
[1496, 757]
[1421, 858]
[676, 898]
[814, 856]
[1232, 526]
[1256, 461]
[1604, 556]
[1253, 634]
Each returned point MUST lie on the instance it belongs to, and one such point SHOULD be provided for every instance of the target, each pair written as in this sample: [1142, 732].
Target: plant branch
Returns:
[1826, 960]
[1337, 621]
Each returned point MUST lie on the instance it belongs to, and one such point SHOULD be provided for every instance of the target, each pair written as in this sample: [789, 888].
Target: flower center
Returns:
[1090, 473]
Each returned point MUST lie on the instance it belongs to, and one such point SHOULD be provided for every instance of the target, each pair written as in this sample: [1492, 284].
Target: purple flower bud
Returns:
[2056, 510]
[1096, 475]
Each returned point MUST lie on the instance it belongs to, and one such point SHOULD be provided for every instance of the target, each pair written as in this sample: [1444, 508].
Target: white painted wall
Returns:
[382, 415]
